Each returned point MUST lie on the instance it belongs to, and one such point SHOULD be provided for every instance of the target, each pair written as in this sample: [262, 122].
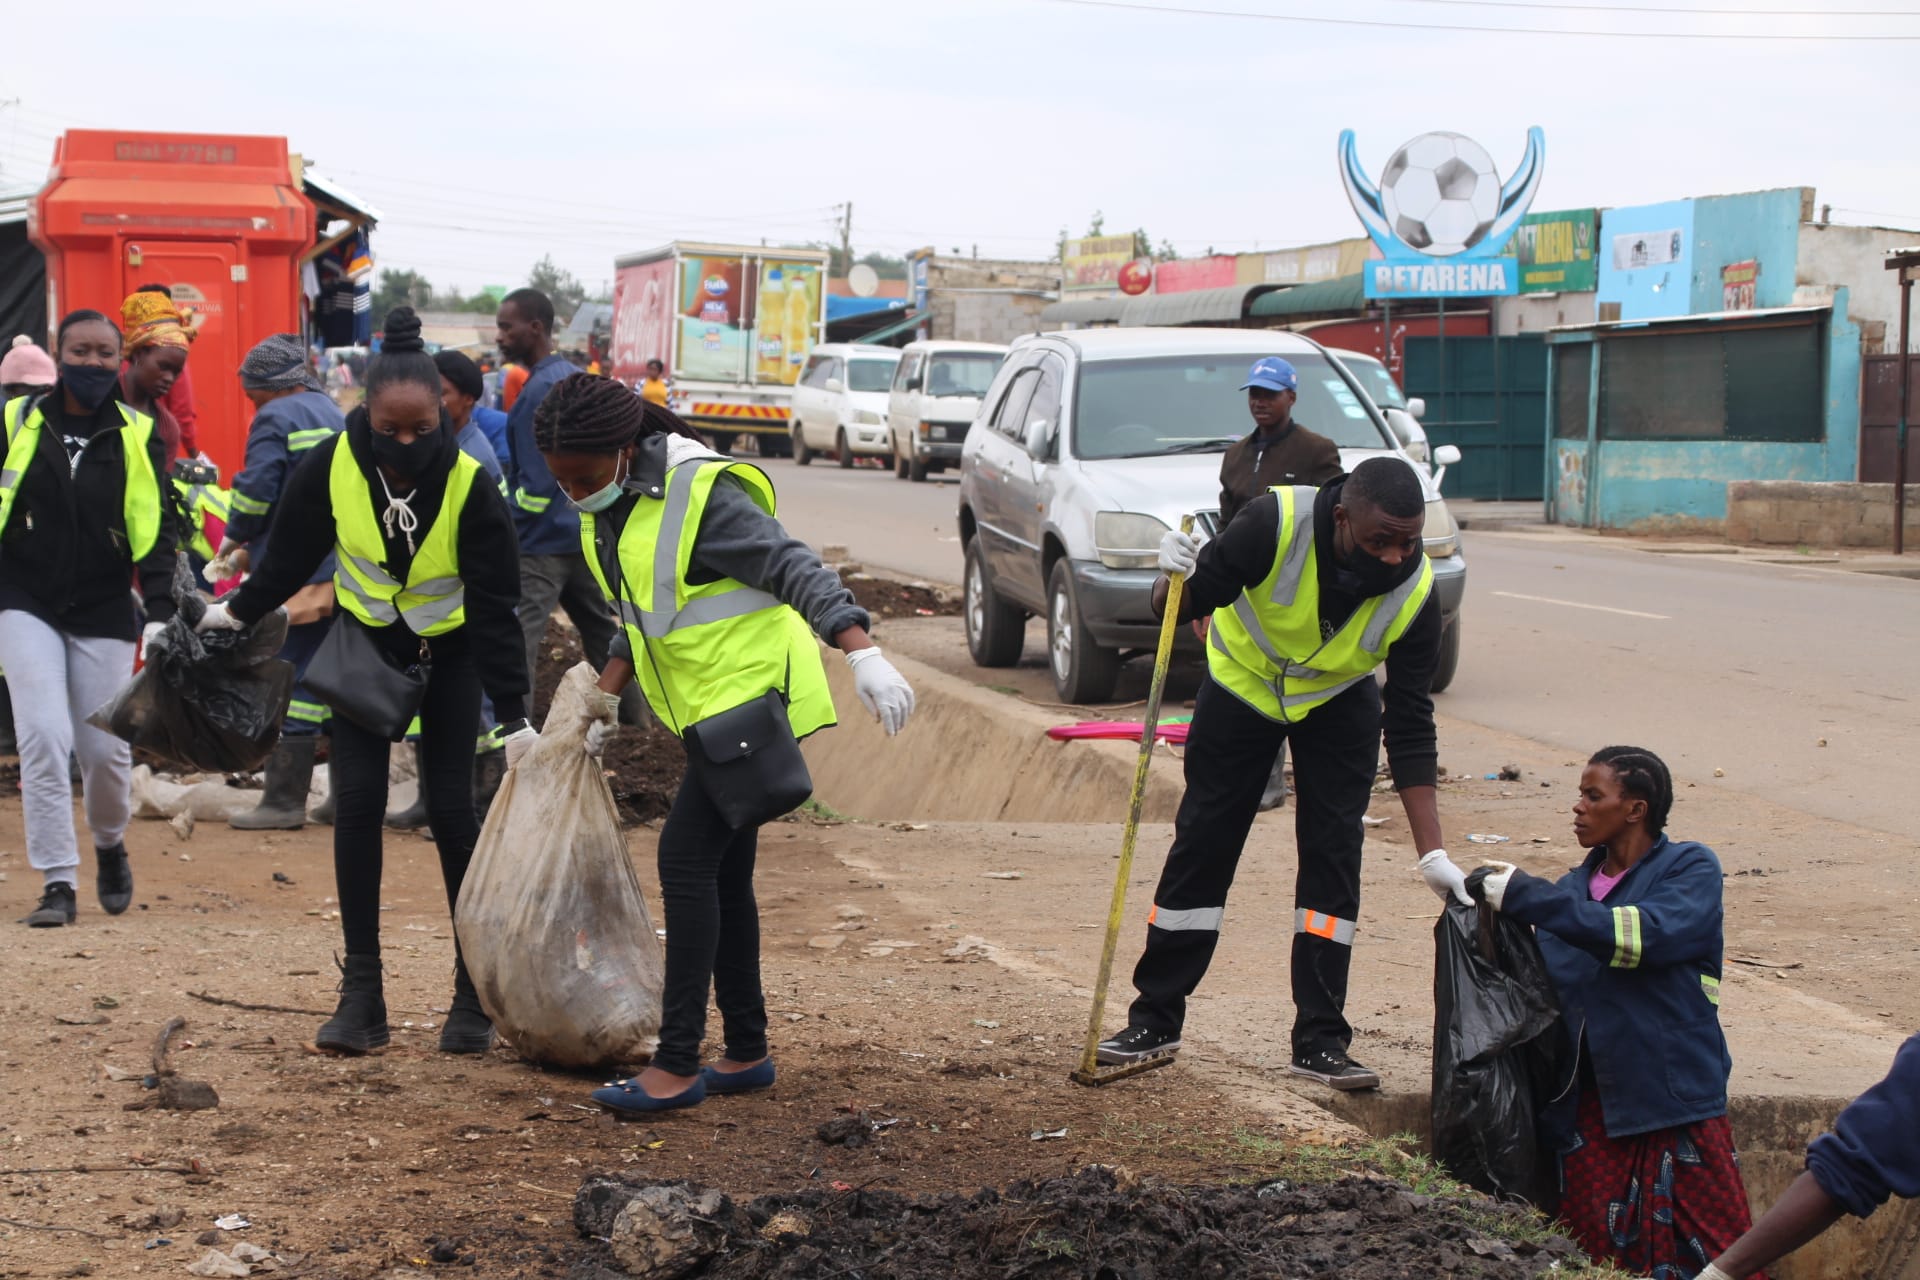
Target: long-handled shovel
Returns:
[1090, 1071]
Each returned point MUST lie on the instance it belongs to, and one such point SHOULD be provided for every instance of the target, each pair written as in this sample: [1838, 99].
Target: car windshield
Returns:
[1376, 381]
[1193, 403]
[962, 373]
[870, 375]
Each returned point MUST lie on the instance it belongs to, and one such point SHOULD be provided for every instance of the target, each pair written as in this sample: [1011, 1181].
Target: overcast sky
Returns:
[489, 134]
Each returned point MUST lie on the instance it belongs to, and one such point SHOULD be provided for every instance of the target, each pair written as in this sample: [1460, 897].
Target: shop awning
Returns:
[840, 307]
[903, 325]
[336, 199]
[1224, 305]
[1325, 297]
[1084, 311]
[1760, 315]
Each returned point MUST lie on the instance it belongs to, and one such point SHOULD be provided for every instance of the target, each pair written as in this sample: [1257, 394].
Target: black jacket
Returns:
[64, 555]
[303, 535]
[1259, 462]
[1242, 557]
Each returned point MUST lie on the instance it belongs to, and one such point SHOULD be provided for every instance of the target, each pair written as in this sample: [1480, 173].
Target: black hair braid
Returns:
[588, 413]
[1643, 775]
[403, 356]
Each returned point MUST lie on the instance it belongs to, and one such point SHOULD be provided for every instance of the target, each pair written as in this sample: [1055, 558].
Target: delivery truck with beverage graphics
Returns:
[733, 324]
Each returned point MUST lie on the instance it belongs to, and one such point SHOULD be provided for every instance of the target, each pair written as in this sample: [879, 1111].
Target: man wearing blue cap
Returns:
[1277, 451]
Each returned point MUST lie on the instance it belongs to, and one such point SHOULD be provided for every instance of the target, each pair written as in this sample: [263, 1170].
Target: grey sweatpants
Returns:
[57, 681]
[566, 581]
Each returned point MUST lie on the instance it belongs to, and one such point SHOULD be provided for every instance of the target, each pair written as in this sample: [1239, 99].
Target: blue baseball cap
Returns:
[1273, 374]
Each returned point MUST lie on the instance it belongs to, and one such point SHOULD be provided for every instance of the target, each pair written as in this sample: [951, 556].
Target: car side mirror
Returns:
[834, 384]
[1416, 407]
[1446, 455]
[915, 382]
[1040, 438]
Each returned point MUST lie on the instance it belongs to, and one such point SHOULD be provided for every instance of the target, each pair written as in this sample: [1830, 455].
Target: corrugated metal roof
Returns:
[1084, 311]
[1348, 293]
[1224, 305]
[334, 193]
[1706, 317]
[909, 321]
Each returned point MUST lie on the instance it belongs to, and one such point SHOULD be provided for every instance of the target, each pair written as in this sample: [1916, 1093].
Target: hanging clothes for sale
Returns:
[343, 311]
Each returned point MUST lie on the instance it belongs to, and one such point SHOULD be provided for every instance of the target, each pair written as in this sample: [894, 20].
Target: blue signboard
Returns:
[1441, 216]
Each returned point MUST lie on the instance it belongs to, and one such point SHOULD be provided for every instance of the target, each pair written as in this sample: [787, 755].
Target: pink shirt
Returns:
[1602, 884]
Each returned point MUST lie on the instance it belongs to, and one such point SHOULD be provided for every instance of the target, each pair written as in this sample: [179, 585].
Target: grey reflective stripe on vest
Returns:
[1319, 924]
[434, 612]
[656, 623]
[1388, 609]
[1243, 609]
[1323, 695]
[8, 479]
[1293, 566]
[379, 610]
[1191, 920]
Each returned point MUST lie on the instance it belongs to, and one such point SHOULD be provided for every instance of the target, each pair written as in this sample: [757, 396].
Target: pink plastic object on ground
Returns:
[1117, 730]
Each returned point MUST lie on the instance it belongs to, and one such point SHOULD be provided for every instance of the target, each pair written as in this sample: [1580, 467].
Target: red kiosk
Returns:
[220, 220]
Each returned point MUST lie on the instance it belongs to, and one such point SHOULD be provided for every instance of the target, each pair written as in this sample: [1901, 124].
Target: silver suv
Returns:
[1091, 444]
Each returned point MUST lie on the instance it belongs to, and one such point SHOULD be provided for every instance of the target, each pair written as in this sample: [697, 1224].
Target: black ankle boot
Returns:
[359, 1024]
[467, 1029]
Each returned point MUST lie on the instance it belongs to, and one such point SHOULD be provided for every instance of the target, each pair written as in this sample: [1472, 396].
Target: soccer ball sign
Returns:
[1440, 193]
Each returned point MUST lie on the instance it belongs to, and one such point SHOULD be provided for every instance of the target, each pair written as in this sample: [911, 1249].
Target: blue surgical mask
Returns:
[600, 499]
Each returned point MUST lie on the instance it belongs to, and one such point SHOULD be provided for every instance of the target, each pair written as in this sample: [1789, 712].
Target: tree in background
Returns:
[398, 287]
[559, 284]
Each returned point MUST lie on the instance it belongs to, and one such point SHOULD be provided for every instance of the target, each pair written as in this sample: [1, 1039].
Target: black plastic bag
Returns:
[211, 703]
[1495, 1052]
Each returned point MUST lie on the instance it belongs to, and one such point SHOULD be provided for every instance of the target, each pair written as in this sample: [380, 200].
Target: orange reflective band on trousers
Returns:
[1321, 925]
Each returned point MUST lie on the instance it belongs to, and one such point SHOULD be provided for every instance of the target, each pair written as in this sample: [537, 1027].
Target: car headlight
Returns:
[867, 418]
[1440, 534]
[1127, 540]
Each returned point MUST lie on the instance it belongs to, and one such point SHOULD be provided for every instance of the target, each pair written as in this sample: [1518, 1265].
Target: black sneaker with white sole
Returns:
[57, 907]
[1137, 1044]
[1332, 1067]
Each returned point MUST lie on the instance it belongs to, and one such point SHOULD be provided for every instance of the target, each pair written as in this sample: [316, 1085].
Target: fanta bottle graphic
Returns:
[770, 352]
[798, 331]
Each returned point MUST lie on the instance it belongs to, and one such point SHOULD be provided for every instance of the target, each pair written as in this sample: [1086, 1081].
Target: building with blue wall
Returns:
[1711, 359]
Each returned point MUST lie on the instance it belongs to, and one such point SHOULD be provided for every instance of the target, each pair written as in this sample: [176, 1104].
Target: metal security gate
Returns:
[1489, 397]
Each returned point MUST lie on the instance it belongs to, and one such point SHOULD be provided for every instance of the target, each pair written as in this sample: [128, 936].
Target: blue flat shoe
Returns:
[758, 1076]
[626, 1097]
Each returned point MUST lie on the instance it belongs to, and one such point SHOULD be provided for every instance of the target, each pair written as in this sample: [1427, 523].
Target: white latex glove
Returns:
[231, 562]
[1714, 1273]
[603, 720]
[1495, 885]
[1437, 869]
[597, 734]
[147, 634]
[218, 618]
[519, 742]
[882, 689]
[1179, 552]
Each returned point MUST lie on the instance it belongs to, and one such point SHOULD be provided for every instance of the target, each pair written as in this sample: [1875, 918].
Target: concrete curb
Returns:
[973, 755]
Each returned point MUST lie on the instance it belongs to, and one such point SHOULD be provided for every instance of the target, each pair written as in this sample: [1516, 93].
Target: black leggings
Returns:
[713, 934]
[449, 723]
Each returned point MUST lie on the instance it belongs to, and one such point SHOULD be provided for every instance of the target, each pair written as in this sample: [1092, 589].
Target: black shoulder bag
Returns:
[353, 675]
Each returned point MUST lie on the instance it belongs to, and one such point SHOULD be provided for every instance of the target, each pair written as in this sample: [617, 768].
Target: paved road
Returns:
[1578, 642]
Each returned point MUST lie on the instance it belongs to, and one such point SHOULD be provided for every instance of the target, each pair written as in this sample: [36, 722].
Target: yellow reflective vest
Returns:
[433, 600]
[701, 650]
[140, 503]
[1266, 647]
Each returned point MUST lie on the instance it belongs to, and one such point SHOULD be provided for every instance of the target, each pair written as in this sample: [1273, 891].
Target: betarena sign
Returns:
[1492, 278]
[1441, 215]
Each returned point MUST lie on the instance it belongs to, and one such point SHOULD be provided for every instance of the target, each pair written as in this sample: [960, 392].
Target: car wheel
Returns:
[775, 446]
[1449, 663]
[1082, 670]
[917, 471]
[801, 454]
[996, 630]
[844, 454]
[900, 466]
[723, 441]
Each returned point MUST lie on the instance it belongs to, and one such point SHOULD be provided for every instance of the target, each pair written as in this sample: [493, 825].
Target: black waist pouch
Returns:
[353, 675]
[748, 762]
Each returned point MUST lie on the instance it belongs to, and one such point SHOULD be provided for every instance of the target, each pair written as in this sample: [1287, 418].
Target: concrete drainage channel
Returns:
[976, 755]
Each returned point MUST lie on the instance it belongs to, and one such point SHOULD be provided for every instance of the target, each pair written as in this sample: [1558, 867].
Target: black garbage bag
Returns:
[1496, 1050]
[211, 703]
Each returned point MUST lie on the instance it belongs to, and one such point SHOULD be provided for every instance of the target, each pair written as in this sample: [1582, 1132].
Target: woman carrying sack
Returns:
[428, 577]
[1632, 940]
[719, 606]
[81, 512]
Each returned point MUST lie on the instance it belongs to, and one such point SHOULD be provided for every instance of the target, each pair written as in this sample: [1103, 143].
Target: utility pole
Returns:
[846, 235]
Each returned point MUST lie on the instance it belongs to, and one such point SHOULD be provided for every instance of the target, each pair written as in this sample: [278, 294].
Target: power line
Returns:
[1379, 24]
[1651, 8]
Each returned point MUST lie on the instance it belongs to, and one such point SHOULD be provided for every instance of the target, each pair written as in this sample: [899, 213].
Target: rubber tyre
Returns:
[723, 441]
[996, 630]
[1083, 672]
[1449, 662]
[917, 471]
[775, 446]
[900, 466]
[843, 453]
[801, 454]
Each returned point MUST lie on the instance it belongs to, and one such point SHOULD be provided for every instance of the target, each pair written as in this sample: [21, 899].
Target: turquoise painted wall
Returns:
[1760, 226]
[1664, 286]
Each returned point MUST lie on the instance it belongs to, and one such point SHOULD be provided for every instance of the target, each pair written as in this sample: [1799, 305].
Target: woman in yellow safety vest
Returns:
[732, 617]
[80, 514]
[427, 563]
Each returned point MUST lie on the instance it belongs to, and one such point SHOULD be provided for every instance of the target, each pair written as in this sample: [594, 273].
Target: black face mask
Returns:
[412, 460]
[89, 384]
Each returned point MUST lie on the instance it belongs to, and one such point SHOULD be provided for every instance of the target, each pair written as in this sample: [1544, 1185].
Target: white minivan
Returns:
[936, 395]
[840, 402]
